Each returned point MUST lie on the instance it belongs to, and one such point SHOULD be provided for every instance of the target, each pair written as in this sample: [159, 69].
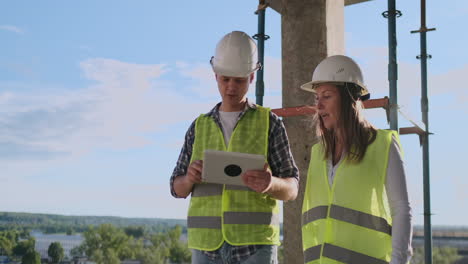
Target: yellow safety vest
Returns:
[351, 221]
[235, 214]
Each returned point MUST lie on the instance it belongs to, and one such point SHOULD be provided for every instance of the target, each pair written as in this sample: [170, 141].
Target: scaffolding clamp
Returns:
[260, 36]
[397, 13]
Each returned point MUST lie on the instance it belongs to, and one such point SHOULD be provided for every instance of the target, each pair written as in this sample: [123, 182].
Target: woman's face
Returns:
[328, 101]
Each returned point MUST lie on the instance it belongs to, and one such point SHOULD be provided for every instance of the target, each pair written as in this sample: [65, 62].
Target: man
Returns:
[226, 223]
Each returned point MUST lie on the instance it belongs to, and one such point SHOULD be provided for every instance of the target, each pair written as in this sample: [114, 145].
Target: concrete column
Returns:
[311, 31]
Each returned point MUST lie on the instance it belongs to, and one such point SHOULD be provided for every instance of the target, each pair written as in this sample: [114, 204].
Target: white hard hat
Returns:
[336, 69]
[236, 55]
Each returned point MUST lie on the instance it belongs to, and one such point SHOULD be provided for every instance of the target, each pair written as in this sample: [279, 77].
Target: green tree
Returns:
[31, 257]
[179, 252]
[77, 251]
[147, 253]
[135, 231]
[11, 235]
[105, 244]
[70, 231]
[23, 247]
[440, 255]
[25, 233]
[105, 256]
[56, 252]
[6, 246]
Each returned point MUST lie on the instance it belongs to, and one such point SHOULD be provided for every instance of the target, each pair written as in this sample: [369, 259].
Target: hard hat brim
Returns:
[308, 87]
[233, 72]
[312, 86]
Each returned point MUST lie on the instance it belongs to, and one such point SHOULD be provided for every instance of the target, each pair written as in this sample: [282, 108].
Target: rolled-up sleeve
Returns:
[280, 156]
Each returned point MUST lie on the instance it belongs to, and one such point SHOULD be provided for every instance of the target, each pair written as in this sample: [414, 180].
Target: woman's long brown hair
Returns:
[356, 131]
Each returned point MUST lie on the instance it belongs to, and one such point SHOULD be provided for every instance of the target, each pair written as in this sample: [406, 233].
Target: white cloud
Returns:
[33, 124]
[12, 29]
[181, 64]
[45, 132]
[127, 103]
[202, 78]
[5, 97]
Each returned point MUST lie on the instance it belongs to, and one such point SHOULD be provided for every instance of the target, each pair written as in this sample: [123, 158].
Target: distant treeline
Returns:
[104, 244]
[50, 223]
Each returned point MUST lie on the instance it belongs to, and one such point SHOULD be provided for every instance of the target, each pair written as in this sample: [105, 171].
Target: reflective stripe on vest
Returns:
[235, 214]
[316, 213]
[347, 215]
[233, 218]
[348, 256]
[204, 222]
[251, 218]
[361, 219]
[312, 253]
[207, 189]
[340, 254]
[211, 189]
[351, 217]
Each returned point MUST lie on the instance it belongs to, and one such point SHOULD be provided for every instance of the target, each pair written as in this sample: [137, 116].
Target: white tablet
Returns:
[227, 167]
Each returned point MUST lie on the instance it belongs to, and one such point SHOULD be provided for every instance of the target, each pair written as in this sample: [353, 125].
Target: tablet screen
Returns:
[226, 167]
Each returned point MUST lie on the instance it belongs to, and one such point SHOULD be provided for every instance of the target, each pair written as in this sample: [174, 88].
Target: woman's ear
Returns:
[251, 77]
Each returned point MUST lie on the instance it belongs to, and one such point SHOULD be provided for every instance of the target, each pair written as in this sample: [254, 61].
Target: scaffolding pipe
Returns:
[260, 37]
[425, 138]
[391, 15]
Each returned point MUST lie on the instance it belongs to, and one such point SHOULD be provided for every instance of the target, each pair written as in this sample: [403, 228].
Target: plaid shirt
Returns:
[279, 158]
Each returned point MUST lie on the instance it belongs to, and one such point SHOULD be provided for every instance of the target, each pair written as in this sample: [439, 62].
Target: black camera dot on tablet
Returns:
[232, 170]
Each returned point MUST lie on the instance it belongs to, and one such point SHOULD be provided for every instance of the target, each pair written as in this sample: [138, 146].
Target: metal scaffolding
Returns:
[425, 138]
[260, 37]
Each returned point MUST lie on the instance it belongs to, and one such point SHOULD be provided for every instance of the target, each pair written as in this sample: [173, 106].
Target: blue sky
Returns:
[96, 96]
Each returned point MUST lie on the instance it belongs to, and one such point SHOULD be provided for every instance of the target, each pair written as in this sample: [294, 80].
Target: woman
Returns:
[355, 207]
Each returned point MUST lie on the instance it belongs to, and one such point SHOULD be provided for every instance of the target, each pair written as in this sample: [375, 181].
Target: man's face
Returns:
[233, 90]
